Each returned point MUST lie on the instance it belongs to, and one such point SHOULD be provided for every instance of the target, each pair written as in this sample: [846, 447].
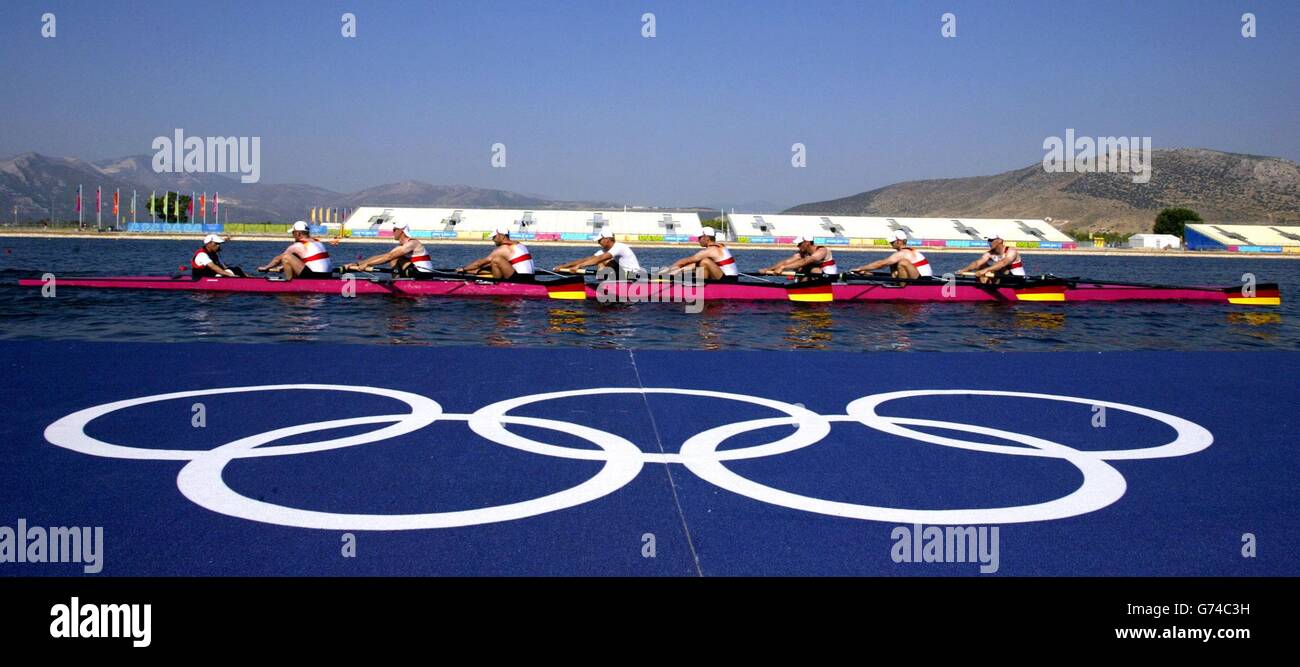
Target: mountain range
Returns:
[1222, 187]
[31, 180]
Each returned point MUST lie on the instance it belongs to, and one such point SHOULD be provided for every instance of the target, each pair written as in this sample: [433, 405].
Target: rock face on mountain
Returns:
[1222, 187]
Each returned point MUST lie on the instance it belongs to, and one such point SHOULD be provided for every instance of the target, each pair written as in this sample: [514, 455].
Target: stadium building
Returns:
[876, 231]
[1243, 238]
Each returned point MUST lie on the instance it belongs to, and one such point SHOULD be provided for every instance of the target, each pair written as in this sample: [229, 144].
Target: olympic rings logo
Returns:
[200, 480]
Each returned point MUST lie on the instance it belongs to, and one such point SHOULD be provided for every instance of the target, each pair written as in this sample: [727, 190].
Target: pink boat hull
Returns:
[1265, 294]
[263, 286]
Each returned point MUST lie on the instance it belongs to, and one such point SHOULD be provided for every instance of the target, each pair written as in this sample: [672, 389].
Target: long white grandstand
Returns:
[678, 227]
[858, 230]
[469, 223]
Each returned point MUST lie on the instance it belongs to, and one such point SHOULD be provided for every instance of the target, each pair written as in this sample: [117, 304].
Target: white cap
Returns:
[993, 237]
[606, 234]
[900, 235]
[300, 226]
[212, 238]
[708, 231]
[800, 240]
[502, 231]
[401, 224]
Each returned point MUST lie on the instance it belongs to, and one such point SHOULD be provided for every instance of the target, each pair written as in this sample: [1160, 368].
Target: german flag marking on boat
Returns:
[814, 294]
[1045, 293]
[574, 291]
[1256, 300]
[1265, 295]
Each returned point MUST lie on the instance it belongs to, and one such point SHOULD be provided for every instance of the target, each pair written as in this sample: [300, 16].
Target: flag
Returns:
[98, 206]
[203, 206]
[176, 208]
[152, 195]
[216, 206]
[116, 207]
[78, 198]
[313, 214]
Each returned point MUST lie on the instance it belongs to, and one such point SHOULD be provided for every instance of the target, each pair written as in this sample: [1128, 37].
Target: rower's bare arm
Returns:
[1007, 260]
[787, 264]
[594, 260]
[975, 264]
[688, 261]
[373, 260]
[880, 263]
[815, 259]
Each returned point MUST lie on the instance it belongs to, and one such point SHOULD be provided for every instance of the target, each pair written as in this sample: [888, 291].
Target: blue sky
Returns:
[702, 114]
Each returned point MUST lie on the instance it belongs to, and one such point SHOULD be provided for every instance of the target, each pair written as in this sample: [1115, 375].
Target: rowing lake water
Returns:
[111, 315]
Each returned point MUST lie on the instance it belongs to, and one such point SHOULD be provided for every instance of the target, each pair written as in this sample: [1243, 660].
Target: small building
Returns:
[1155, 241]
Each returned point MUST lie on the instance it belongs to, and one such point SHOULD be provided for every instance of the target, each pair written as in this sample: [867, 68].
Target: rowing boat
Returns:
[1041, 289]
[568, 287]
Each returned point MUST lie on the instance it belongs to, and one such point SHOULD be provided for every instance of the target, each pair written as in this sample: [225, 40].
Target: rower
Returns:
[207, 263]
[714, 262]
[510, 260]
[409, 259]
[905, 262]
[612, 255]
[809, 259]
[304, 258]
[1000, 260]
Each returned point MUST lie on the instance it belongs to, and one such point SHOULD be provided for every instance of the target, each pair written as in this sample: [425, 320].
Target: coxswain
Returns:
[207, 263]
[612, 255]
[409, 259]
[905, 262]
[1001, 260]
[510, 260]
[306, 257]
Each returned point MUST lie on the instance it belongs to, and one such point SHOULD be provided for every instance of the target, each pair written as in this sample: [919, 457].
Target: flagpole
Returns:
[80, 216]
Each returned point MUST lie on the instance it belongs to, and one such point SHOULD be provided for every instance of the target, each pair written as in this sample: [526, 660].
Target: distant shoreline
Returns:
[1107, 252]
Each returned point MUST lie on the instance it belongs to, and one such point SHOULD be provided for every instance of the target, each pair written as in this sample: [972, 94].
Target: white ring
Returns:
[70, 432]
[1102, 485]
[1191, 437]
[486, 421]
[201, 481]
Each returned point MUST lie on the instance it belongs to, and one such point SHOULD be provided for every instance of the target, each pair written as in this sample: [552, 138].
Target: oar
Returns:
[765, 279]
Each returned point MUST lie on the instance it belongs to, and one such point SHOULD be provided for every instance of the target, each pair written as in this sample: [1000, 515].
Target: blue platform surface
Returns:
[650, 463]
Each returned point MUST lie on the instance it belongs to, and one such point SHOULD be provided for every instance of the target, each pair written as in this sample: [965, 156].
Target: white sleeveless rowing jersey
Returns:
[917, 258]
[314, 256]
[521, 259]
[828, 265]
[727, 263]
[420, 258]
[623, 255]
[1016, 268]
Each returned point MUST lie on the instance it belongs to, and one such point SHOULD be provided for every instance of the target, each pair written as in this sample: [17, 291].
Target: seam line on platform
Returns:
[672, 484]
